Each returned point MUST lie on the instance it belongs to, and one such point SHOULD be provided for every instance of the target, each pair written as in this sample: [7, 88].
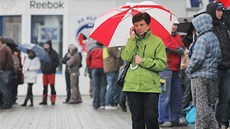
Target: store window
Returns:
[48, 27]
[10, 27]
[196, 3]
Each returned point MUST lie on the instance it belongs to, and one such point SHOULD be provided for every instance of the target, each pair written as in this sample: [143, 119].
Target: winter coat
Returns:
[206, 52]
[64, 61]
[110, 59]
[30, 69]
[221, 32]
[74, 63]
[173, 59]
[6, 59]
[94, 58]
[50, 67]
[146, 77]
[16, 67]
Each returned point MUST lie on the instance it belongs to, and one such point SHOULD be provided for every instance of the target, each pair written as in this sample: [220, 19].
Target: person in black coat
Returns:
[215, 9]
[67, 76]
[49, 70]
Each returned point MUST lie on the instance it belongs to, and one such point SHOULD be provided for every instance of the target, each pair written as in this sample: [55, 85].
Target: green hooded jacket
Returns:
[146, 77]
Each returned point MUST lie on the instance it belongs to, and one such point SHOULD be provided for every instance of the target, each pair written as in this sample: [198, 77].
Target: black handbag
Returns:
[122, 73]
[123, 70]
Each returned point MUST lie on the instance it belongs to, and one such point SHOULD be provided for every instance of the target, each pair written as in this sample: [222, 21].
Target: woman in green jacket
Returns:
[142, 82]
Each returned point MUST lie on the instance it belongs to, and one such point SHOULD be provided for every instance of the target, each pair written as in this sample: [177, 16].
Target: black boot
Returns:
[25, 102]
[31, 102]
[44, 100]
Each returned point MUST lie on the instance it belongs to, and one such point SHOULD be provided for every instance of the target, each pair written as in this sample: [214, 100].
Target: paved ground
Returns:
[62, 116]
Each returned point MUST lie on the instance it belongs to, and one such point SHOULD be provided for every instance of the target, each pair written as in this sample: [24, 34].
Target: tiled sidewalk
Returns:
[62, 116]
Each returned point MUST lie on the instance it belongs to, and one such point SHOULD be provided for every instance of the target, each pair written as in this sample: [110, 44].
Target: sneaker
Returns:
[182, 121]
[110, 107]
[223, 127]
[101, 107]
[166, 124]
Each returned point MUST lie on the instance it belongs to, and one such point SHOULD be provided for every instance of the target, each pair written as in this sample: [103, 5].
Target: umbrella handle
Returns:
[133, 68]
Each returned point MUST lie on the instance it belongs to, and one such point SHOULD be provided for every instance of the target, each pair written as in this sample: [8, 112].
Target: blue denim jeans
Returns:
[223, 103]
[112, 91]
[170, 99]
[99, 87]
[5, 78]
[144, 110]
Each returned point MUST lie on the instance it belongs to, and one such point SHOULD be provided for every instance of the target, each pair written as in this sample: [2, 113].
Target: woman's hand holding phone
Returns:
[131, 32]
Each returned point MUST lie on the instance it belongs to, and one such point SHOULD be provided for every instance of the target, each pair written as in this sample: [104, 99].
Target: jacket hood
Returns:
[211, 9]
[49, 42]
[202, 23]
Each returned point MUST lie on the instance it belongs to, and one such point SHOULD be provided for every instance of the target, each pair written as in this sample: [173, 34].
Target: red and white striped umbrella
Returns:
[112, 27]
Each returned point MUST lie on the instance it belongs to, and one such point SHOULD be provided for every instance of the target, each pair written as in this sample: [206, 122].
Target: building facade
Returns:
[63, 21]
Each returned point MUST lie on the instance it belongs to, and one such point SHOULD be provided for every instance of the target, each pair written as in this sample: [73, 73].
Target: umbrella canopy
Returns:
[39, 51]
[112, 27]
[226, 3]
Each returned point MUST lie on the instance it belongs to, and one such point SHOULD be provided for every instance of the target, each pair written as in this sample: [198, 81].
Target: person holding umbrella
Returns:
[30, 67]
[142, 84]
[49, 70]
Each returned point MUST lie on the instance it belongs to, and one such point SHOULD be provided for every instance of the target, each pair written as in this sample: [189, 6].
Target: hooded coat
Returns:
[221, 32]
[50, 67]
[74, 62]
[145, 78]
[206, 52]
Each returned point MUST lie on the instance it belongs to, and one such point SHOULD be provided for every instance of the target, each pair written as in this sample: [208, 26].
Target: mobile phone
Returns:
[134, 31]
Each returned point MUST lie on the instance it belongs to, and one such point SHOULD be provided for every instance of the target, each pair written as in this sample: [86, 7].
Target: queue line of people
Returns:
[156, 99]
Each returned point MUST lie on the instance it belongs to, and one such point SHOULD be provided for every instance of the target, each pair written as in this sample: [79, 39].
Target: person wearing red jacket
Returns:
[94, 61]
[170, 99]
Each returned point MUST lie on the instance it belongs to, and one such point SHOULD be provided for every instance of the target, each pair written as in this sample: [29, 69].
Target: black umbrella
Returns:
[10, 42]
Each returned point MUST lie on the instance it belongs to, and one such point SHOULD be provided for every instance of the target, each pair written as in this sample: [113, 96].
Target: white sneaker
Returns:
[110, 107]
[166, 124]
[101, 107]
[223, 127]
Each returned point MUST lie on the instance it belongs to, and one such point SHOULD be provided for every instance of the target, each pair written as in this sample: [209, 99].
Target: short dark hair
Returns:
[2, 40]
[142, 16]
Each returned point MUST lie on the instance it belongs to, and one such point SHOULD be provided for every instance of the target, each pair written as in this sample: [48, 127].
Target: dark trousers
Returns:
[123, 100]
[5, 87]
[222, 92]
[68, 88]
[14, 89]
[144, 110]
[186, 92]
[29, 94]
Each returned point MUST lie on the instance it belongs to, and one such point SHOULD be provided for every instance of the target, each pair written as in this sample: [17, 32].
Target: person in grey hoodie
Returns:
[73, 66]
[202, 70]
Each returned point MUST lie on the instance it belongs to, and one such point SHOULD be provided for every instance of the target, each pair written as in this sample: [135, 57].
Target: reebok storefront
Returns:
[62, 21]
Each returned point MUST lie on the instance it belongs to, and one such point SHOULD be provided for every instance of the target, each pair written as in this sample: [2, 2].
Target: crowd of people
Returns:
[165, 75]
[173, 75]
